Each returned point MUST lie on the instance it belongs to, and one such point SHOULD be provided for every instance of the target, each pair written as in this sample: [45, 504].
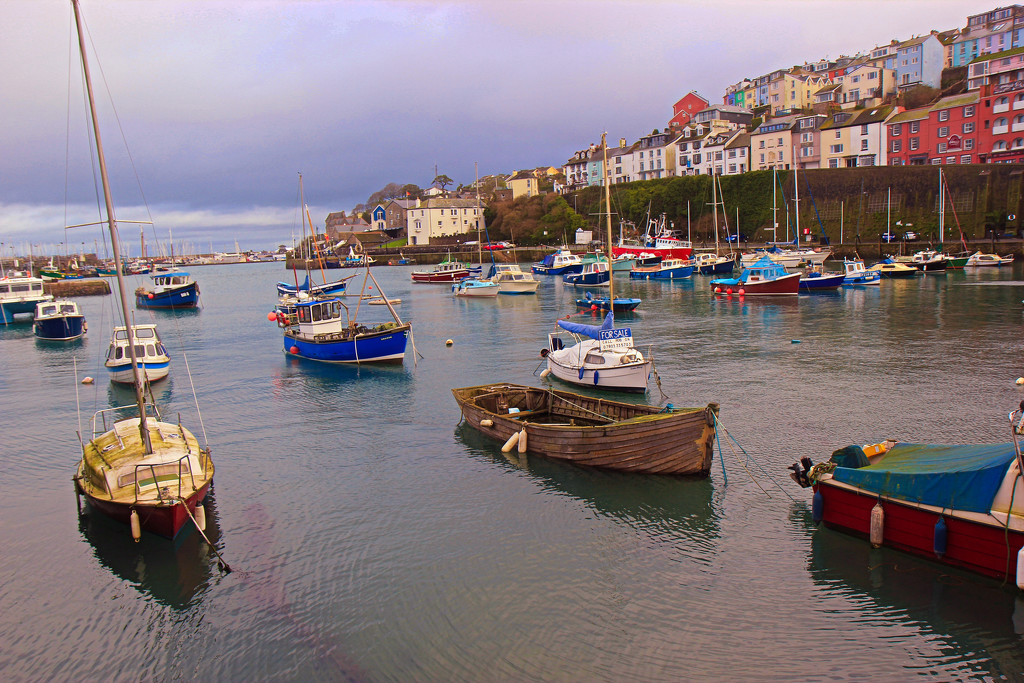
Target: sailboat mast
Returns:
[775, 209]
[608, 207]
[714, 208]
[108, 200]
[942, 210]
[796, 200]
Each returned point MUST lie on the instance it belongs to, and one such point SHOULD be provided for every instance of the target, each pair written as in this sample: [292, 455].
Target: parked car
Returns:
[910, 236]
[732, 237]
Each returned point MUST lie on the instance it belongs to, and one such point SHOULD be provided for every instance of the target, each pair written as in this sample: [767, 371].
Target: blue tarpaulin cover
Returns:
[592, 331]
[961, 477]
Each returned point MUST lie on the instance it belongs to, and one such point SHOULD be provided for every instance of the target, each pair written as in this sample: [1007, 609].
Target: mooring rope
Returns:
[220, 560]
[718, 423]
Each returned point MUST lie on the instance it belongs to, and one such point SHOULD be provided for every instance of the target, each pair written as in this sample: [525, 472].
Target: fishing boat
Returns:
[512, 279]
[857, 274]
[658, 240]
[354, 260]
[144, 350]
[595, 303]
[893, 269]
[170, 289]
[593, 432]
[446, 271]
[475, 288]
[763, 277]
[816, 279]
[594, 274]
[324, 329]
[980, 260]
[140, 470]
[961, 505]
[58, 320]
[20, 295]
[929, 261]
[559, 263]
[667, 269]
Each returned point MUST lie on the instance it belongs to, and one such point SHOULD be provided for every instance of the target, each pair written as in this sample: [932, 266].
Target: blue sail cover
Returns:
[592, 331]
[959, 477]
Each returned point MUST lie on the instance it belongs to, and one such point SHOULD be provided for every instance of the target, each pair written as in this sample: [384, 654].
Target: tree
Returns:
[411, 191]
[442, 181]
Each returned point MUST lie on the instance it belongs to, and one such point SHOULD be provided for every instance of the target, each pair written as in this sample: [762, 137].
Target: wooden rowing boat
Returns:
[596, 432]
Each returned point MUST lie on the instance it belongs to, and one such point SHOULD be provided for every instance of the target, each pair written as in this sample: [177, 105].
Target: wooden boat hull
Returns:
[985, 548]
[186, 296]
[632, 438]
[785, 285]
[373, 346]
[450, 276]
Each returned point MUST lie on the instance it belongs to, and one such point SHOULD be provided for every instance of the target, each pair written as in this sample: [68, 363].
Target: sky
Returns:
[210, 110]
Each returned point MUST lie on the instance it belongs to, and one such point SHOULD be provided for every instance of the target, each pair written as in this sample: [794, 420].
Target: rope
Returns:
[721, 458]
[195, 398]
[1006, 528]
[220, 560]
[718, 423]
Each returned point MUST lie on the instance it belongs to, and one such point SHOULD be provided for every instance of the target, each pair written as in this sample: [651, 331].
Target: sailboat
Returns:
[150, 474]
[476, 287]
[714, 263]
[601, 356]
[334, 287]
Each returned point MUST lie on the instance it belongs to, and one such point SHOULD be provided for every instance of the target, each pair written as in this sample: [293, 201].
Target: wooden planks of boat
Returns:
[596, 432]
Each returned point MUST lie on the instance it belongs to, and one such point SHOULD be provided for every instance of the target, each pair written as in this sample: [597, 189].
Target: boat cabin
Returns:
[17, 289]
[147, 344]
[171, 279]
[763, 269]
[320, 316]
[55, 308]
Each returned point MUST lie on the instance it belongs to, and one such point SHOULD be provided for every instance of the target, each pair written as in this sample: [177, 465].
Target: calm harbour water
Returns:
[374, 538]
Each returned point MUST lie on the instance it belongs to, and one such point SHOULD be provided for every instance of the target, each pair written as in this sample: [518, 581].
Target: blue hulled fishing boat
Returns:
[58, 320]
[173, 289]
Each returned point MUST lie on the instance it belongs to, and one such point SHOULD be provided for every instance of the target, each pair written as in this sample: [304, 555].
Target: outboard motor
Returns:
[800, 470]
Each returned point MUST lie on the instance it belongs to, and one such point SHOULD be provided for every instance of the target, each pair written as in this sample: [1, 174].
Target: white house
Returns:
[443, 218]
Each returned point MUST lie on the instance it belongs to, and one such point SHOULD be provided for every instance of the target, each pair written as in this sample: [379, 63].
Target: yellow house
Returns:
[837, 144]
[524, 184]
[793, 91]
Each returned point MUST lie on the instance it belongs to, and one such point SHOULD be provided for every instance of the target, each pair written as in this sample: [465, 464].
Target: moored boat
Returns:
[58, 320]
[170, 289]
[893, 269]
[710, 263]
[594, 432]
[667, 269]
[763, 277]
[559, 263]
[857, 274]
[150, 355]
[19, 295]
[816, 279]
[512, 279]
[446, 271]
[962, 505]
[475, 288]
[980, 260]
[594, 274]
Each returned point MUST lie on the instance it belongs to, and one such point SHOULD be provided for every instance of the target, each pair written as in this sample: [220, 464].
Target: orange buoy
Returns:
[272, 316]
[151, 295]
[728, 290]
[741, 292]
[593, 307]
[294, 350]
[718, 290]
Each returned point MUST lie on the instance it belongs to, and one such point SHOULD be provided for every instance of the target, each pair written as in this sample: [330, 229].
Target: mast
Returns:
[608, 206]
[111, 225]
[714, 208]
[479, 247]
[796, 202]
[775, 208]
[942, 210]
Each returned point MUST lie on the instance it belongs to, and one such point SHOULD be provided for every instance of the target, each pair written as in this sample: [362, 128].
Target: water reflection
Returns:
[649, 502]
[175, 573]
[975, 617]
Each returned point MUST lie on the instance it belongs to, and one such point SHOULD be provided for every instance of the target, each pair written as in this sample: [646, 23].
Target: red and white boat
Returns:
[760, 278]
[664, 243]
[962, 505]
[445, 271]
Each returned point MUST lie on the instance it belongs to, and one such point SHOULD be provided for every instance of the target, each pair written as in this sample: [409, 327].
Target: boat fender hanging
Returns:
[486, 422]
[876, 535]
[581, 373]
[200, 517]
[522, 441]
[133, 521]
[294, 350]
[595, 378]
[1020, 568]
[941, 537]
[511, 443]
[818, 507]
[545, 372]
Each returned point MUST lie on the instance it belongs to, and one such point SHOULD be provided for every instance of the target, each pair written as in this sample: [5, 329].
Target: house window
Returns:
[950, 160]
[969, 143]
[863, 145]
[969, 127]
[864, 129]
[761, 144]
[936, 161]
[965, 159]
[836, 149]
[833, 163]
[780, 141]
[943, 131]
[897, 146]
[762, 158]
[914, 143]
[941, 148]
[915, 126]
[838, 135]
[895, 129]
